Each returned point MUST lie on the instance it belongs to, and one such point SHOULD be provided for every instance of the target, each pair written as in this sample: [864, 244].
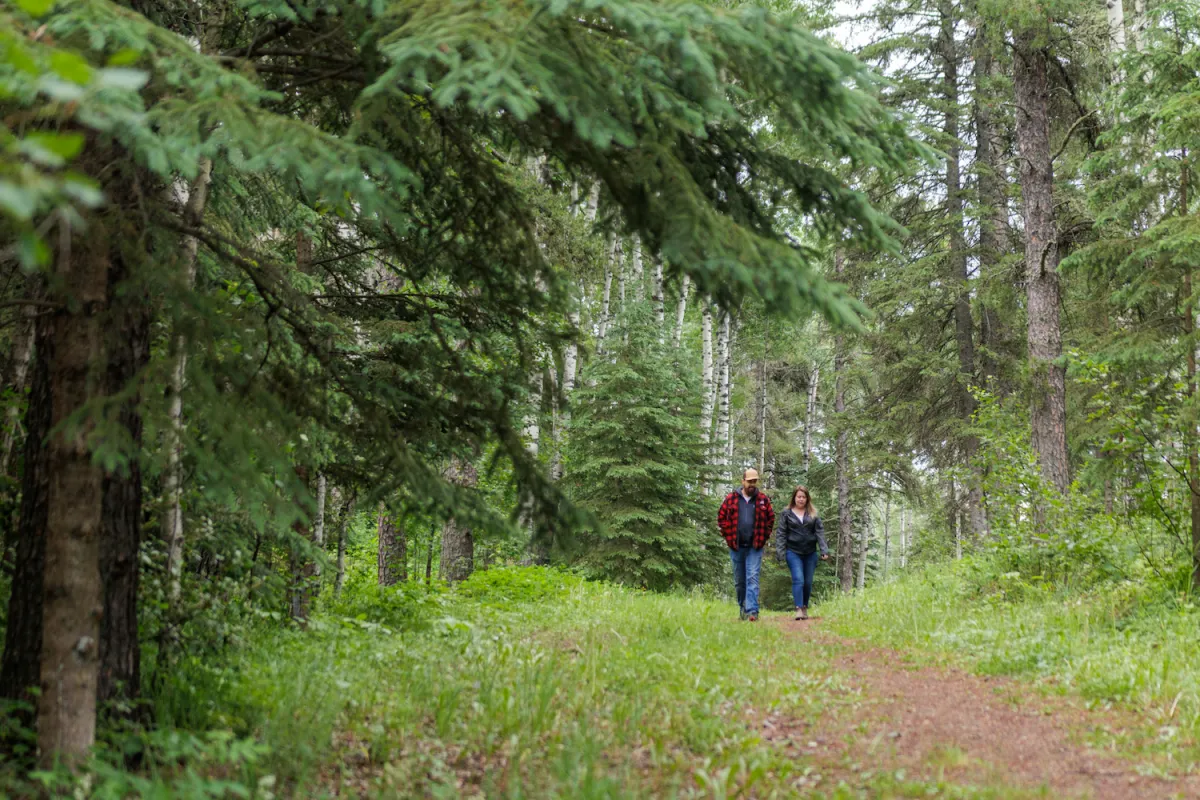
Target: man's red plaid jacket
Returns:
[764, 520]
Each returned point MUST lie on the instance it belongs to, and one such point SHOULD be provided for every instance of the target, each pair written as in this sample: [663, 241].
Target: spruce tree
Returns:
[635, 460]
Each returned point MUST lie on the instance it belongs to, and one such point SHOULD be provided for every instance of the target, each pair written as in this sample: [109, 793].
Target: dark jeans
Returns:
[746, 565]
[802, 569]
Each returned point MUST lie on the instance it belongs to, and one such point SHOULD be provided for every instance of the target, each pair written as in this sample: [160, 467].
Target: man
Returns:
[746, 520]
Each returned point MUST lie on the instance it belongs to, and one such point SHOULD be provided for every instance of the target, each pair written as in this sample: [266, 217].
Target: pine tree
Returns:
[635, 460]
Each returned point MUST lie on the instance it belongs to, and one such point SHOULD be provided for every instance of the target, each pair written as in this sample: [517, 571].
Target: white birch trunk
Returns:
[197, 199]
[863, 550]
[810, 420]
[681, 310]
[887, 532]
[903, 538]
[762, 405]
[660, 306]
[1139, 25]
[1116, 25]
[319, 525]
[343, 523]
[729, 428]
[722, 394]
[639, 271]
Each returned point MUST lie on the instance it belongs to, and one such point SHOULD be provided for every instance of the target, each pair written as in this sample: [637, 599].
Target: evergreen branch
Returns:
[1070, 131]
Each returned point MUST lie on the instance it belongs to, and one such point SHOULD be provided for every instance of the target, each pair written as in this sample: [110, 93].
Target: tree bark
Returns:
[681, 310]
[656, 297]
[762, 404]
[172, 523]
[121, 527]
[723, 394]
[393, 549]
[992, 203]
[319, 529]
[20, 669]
[864, 548]
[343, 522]
[1048, 375]
[958, 279]
[1116, 24]
[458, 545]
[22, 350]
[842, 456]
[606, 298]
[299, 565]
[887, 532]
[639, 272]
[72, 589]
[810, 419]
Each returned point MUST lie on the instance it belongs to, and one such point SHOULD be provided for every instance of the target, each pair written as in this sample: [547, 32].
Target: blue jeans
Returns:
[746, 564]
[802, 569]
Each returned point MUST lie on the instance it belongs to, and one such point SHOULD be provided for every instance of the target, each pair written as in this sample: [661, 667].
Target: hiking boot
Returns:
[799, 613]
[803, 613]
[753, 617]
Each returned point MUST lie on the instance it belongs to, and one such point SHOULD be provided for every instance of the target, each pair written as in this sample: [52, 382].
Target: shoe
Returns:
[753, 617]
[800, 613]
[804, 612]
[741, 615]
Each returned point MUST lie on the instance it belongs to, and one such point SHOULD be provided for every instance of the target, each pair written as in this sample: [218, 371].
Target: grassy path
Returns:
[980, 736]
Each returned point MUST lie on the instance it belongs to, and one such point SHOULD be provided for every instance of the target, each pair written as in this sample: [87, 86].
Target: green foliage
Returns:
[509, 588]
[634, 459]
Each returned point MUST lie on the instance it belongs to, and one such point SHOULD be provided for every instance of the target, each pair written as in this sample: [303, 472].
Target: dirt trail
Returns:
[944, 724]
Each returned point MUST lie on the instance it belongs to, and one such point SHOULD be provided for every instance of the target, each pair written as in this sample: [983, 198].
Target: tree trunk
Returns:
[810, 417]
[639, 271]
[681, 310]
[729, 429]
[887, 532]
[762, 402]
[1116, 25]
[319, 530]
[992, 203]
[1048, 375]
[903, 538]
[172, 521]
[1189, 338]
[20, 670]
[458, 545]
[864, 549]
[72, 589]
[722, 395]
[842, 456]
[393, 549]
[660, 306]
[1139, 25]
[22, 350]
[952, 504]
[121, 526]
[347, 513]
[605, 314]
[429, 558]
[299, 565]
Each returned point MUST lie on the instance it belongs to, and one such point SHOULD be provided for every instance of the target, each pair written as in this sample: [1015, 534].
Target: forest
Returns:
[372, 372]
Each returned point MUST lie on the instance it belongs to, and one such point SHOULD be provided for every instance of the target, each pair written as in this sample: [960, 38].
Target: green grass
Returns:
[520, 684]
[1124, 644]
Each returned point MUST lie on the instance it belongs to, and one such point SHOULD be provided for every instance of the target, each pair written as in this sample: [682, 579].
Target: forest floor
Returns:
[905, 715]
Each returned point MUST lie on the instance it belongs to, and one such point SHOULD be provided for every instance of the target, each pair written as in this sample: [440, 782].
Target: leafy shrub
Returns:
[509, 587]
[407, 605]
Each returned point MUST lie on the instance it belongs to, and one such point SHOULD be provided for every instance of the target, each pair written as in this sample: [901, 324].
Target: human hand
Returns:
[825, 557]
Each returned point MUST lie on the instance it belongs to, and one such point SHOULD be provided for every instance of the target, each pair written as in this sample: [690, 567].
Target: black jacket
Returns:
[800, 537]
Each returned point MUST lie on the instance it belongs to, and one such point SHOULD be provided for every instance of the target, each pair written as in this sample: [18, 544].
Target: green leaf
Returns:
[35, 8]
[17, 201]
[64, 145]
[32, 251]
[124, 57]
[71, 67]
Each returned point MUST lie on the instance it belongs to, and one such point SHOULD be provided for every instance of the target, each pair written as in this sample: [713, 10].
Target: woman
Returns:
[797, 536]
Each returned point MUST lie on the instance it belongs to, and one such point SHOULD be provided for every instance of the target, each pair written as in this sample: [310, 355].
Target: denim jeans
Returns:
[802, 569]
[746, 564]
